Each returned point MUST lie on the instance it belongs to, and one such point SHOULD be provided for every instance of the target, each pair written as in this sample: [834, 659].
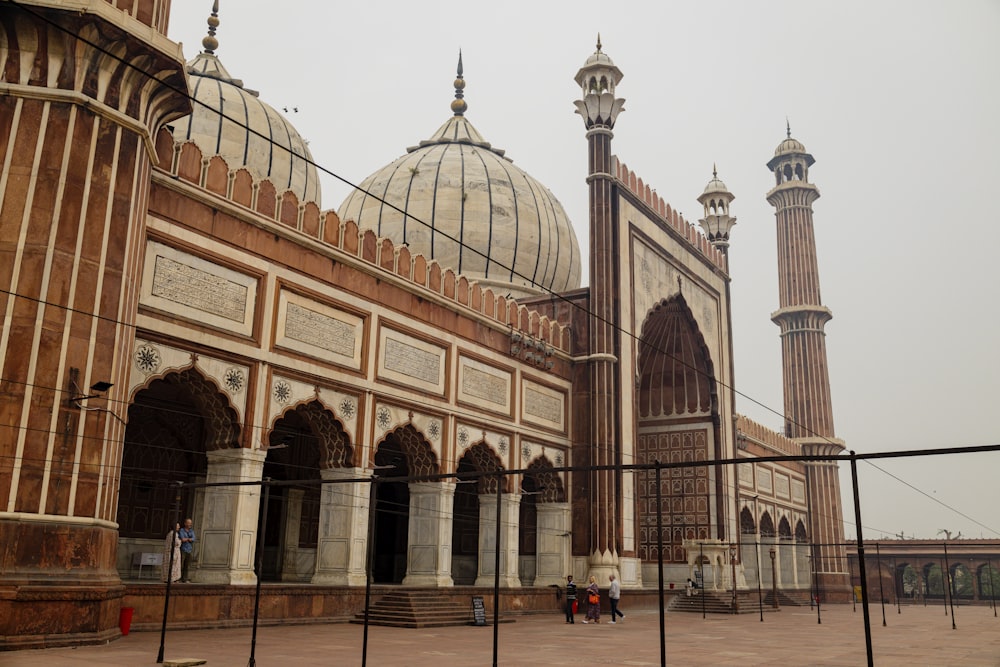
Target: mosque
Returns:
[178, 307]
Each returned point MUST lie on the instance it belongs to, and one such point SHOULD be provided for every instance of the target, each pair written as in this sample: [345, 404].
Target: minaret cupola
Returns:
[717, 222]
[791, 162]
[597, 79]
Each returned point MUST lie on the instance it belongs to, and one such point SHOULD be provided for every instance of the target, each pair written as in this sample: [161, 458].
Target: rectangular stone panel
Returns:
[196, 289]
[318, 330]
[543, 406]
[484, 386]
[411, 361]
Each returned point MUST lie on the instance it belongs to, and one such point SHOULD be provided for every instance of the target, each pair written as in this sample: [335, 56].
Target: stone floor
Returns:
[916, 637]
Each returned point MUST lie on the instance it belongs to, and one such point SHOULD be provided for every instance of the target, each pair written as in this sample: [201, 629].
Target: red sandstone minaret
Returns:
[600, 108]
[802, 316]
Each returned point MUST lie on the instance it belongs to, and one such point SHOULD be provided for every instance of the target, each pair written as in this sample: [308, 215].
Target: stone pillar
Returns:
[428, 553]
[510, 506]
[343, 530]
[290, 540]
[228, 535]
[552, 562]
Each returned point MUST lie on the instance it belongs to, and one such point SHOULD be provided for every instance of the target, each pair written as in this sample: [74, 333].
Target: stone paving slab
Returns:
[916, 637]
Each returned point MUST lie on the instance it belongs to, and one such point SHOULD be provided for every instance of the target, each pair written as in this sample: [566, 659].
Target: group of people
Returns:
[178, 551]
[593, 600]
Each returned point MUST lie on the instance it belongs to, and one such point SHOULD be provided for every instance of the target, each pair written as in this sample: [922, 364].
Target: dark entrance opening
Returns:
[392, 515]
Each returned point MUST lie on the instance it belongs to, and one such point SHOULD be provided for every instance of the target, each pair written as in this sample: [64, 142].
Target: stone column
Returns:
[343, 530]
[227, 539]
[290, 540]
[552, 562]
[428, 553]
[509, 518]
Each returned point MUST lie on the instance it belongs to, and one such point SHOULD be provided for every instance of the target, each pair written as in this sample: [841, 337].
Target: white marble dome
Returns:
[457, 200]
[254, 135]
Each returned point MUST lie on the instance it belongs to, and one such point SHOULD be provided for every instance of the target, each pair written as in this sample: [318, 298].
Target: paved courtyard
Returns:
[916, 637]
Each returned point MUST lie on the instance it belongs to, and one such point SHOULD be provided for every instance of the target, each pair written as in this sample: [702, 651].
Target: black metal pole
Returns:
[496, 576]
[897, 584]
[947, 578]
[881, 590]
[993, 599]
[261, 527]
[701, 567]
[659, 568]
[170, 570]
[861, 561]
[756, 555]
[815, 585]
[369, 557]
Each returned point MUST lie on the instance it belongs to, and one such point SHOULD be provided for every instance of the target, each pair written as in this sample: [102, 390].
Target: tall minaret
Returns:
[802, 317]
[599, 108]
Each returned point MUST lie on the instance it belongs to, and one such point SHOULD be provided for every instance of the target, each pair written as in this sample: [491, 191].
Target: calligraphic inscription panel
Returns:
[197, 289]
[319, 330]
[543, 406]
[411, 361]
[484, 386]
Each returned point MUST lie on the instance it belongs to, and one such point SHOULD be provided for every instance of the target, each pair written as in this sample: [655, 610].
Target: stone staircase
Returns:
[418, 609]
[719, 602]
[789, 598]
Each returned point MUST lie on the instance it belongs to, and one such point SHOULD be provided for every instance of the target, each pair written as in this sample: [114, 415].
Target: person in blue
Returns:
[570, 598]
[187, 549]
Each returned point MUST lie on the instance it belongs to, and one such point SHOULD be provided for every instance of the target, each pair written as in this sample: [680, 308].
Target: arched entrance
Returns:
[402, 453]
[304, 441]
[676, 414]
[467, 521]
[544, 526]
[173, 426]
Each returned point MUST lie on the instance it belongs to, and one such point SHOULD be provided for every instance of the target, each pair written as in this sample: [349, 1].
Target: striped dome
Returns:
[471, 209]
[258, 137]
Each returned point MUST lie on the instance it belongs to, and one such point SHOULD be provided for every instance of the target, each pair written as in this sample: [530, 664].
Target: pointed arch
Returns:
[800, 532]
[676, 374]
[784, 529]
[331, 439]
[747, 524]
[545, 481]
[485, 460]
[420, 458]
[766, 525]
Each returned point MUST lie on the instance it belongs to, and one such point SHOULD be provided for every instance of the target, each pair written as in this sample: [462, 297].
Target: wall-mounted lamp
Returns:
[99, 387]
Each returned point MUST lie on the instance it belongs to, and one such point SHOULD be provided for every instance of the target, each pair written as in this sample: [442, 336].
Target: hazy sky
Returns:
[898, 102]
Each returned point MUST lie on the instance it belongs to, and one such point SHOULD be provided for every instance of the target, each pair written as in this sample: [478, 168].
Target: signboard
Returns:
[478, 610]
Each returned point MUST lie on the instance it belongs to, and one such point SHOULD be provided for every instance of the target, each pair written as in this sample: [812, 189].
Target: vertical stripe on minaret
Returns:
[599, 108]
[806, 380]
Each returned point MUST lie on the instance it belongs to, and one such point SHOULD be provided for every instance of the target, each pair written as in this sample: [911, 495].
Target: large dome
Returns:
[456, 199]
[247, 133]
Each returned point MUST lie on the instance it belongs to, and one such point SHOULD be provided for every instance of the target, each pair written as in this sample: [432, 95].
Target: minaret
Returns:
[717, 222]
[802, 317]
[599, 108]
[80, 120]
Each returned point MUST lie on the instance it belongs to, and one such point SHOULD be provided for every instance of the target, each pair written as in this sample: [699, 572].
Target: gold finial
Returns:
[598, 42]
[209, 41]
[458, 105]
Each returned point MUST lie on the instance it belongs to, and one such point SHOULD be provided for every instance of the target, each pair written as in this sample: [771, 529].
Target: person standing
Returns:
[187, 549]
[615, 594]
[593, 602]
[171, 565]
[570, 598]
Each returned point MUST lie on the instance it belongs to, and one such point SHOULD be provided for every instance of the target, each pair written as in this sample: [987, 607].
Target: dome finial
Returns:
[715, 172]
[458, 106]
[788, 128]
[598, 42]
[209, 41]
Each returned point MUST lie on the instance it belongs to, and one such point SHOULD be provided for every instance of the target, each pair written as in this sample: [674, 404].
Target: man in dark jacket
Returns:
[570, 598]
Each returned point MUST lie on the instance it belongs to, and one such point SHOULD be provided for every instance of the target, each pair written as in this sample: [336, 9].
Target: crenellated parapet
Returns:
[748, 429]
[689, 232]
[185, 161]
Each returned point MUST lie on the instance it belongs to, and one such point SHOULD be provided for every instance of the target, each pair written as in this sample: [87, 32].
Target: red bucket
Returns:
[125, 619]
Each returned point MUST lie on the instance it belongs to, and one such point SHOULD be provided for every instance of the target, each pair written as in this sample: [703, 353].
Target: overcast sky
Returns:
[897, 101]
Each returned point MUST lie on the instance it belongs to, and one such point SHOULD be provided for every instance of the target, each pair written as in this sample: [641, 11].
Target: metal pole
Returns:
[732, 563]
[993, 600]
[897, 584]
[756, 553]
[881, 591]
[369, 557]
[944, 592]
[170, 570]
[659, 568]
[861, 561]
[951, 592]
[496, 576]
[261, 527]
[774, 578]
[819, 618]
[701, 568]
